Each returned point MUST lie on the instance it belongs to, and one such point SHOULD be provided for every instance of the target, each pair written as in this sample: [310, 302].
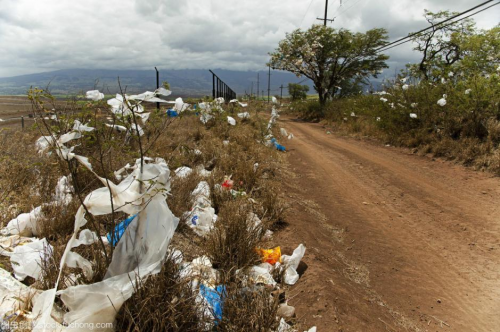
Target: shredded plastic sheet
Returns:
[231, 121]
[291, 263]
[12, 293]
[27, 259]
[139, 253]
[43, 143]
[9, 243]
[64, 191]
[283, 132]
[180, 105]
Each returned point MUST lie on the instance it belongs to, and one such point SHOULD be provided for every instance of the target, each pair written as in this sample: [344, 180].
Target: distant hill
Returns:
[185, 82]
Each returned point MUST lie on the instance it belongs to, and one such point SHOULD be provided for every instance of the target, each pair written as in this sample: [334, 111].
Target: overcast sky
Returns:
[38, 36]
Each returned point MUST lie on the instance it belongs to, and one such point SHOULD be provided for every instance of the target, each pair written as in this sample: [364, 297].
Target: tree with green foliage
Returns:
[297, 91]
[441, 46]
[330, 57]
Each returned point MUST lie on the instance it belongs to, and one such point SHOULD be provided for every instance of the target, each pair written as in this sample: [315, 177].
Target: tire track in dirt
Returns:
[417, 240]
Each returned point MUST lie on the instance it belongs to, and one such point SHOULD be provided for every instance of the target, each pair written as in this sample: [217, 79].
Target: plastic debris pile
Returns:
[141, 240]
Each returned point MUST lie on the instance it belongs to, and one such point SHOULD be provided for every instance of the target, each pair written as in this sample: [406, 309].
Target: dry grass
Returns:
[231, 245]
[164, 302]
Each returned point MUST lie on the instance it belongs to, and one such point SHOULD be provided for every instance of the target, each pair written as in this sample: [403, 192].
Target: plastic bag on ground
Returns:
[231, 121]
[283, 132]
[171, 113]
[278, 146]
[271, 256]
[291, 263]
[25, 224]
[27, 259]
[202, 216]
[214, 298]
[12, 293]
[260, 274]
[183, 171]
[244, 115]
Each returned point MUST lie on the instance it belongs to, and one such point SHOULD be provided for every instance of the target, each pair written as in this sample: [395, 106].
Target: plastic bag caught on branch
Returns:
[140, 251]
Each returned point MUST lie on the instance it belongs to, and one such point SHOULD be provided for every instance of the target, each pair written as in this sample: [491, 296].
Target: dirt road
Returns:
[396, 242]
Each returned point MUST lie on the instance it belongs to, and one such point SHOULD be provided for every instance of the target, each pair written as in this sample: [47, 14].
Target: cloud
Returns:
[139, 34]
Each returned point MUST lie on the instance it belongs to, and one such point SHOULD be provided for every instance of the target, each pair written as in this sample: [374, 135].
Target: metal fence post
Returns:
[157, 86]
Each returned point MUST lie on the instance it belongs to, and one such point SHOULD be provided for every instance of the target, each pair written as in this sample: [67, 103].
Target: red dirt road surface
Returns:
[395, 241]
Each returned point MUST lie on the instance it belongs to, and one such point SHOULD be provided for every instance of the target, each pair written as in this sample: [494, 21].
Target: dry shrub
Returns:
[231, 244]
[163, 302]
[58, 220]
[493, 126]
[248, 309]
[272, 203]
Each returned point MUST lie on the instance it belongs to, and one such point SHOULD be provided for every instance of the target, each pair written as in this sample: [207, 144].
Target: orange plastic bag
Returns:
[271, 256]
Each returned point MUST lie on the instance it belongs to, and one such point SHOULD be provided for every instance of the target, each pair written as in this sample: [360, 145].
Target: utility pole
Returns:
[251, 91]
[324, 19]
[269, 85]
[257, 86]
[326, 12]
[281, 95]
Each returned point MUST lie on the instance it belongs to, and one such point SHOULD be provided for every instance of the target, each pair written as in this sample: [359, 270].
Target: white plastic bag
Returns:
[27, 259]
[291, 263]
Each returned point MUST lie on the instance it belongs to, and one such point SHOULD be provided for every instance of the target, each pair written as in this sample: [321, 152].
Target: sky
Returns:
[40, 36]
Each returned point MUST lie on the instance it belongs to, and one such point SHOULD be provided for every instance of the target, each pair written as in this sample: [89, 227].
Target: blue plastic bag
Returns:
[278, 146]
[171, 113]
[119, 230]
[215, 299]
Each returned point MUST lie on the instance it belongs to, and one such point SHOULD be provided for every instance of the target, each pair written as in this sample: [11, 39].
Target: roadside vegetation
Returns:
[447, 104]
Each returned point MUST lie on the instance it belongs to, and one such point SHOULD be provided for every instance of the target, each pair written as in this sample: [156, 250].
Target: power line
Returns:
[403, 41]
[437, 24]
[354, 4]
[302, 21]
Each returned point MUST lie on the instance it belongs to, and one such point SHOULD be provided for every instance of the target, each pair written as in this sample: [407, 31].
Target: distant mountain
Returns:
[186, 82]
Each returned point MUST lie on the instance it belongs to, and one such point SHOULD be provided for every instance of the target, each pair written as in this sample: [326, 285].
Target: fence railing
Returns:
[221, 89]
